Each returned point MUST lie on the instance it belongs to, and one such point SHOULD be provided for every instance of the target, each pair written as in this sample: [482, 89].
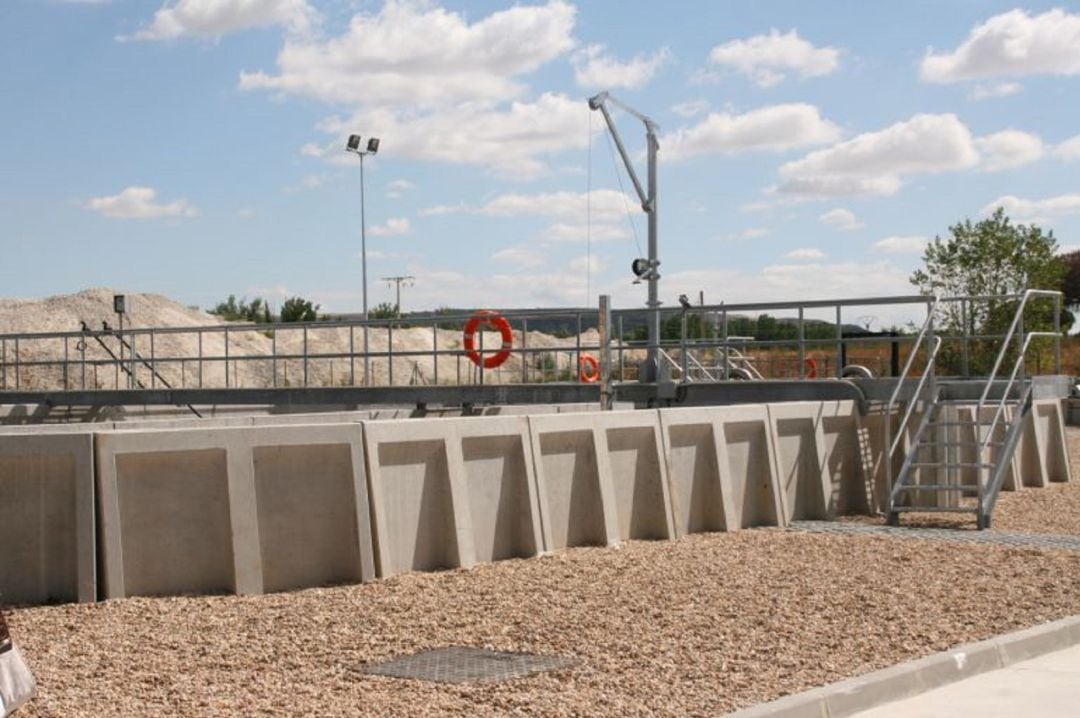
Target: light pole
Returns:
[353, 145]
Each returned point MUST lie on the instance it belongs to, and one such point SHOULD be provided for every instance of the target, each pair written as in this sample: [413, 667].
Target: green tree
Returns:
[384, 310]
[995, 258]
[231, 310]
[298, 309]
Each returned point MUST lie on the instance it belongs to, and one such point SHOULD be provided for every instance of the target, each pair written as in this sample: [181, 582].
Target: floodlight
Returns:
[372, 144]
[353, 145]
[685, 301]
[639, 267]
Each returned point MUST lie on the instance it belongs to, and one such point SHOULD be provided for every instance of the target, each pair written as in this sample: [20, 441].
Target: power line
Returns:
[405, 279]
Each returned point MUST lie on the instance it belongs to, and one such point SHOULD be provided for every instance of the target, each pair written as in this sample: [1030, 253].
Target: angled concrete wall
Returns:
[447, 493]
[601, 478]
[232, 510]
[799, 438]
[47, 548]
[847, 464]
[699, 471]
[1050, 438]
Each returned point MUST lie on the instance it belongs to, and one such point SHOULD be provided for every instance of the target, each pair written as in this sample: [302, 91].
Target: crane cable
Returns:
[622, 191]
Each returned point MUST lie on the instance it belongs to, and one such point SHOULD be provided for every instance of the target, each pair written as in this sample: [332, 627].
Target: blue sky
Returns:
[196, 148]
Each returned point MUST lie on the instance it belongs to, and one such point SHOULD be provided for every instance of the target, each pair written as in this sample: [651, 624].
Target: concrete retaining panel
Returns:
[47, 545]
[799, 438]
[701, 493]
[757, 497]
[847, 467]
[601, 478]
[232, 510]
[447, 493]
[1050, 436]
[1032, 469]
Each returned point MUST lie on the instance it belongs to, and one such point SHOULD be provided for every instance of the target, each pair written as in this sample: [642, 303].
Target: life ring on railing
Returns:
[488, 318]
[588, 369]
[811, 368]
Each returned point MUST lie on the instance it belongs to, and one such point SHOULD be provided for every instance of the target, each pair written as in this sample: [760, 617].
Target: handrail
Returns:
[1008, 387]
[932, 356]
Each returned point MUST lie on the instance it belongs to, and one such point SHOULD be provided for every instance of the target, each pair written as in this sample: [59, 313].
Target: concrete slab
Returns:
[232, 510]
[47, 519]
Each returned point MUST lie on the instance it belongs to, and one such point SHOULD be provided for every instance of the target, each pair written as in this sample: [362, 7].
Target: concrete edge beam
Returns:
[852, 695]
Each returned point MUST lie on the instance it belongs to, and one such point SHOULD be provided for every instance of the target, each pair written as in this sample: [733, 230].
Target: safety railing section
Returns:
[540, 346]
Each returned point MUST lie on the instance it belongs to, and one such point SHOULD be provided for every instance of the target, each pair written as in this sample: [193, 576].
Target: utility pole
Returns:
[407, 279]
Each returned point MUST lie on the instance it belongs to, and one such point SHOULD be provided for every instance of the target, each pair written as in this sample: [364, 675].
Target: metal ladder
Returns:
[962, 451]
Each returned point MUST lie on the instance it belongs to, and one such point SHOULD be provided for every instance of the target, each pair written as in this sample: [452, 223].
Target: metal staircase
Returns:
[961, 452]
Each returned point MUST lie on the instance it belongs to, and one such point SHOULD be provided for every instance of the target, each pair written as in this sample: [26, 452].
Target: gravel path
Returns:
[697, 626]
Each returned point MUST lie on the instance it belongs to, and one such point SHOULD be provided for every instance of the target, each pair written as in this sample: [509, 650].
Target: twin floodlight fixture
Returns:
[353, 145]
[644, 269]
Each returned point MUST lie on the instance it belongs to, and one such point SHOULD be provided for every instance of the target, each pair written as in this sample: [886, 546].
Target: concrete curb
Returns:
[904, 680]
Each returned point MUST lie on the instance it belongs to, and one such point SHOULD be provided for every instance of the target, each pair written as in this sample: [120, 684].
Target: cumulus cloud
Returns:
[1069, 150]
[602, 204]
[773, 128]
[398, 187]
[805, 253]
[901, 244]
[413, 53]
[395, 226]
[214, 18]
[1014, 43]
[1008, 149]
[139, 203]
[1036, 210]
[506, 140]
[519, 257]
[876, 162]
[996, 91]
[570, 232]
[768, 59]
[595, 69]
[690, 108]
[842, 219]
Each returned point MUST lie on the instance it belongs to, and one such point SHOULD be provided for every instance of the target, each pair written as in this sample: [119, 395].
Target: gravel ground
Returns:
[698, 626]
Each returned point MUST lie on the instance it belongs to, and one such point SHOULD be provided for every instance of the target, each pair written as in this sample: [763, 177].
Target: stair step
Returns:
[958, 444]
[960, 423]
[938, 509]
[940, 487]
[952, 465]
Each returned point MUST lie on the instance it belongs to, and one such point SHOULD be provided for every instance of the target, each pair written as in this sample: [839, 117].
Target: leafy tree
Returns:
[298, 309]
[1071, 283]
[993, 257]
[231, 310]
[384, 310]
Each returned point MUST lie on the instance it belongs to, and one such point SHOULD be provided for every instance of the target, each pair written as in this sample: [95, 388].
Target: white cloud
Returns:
[413, 54]
[690, 108]
[139, 203]
[214, 18]
[520, 257]
[754, 232]
[604, 205]
[395, 226]
[567, 232]
[398, 187]
[594, 68]
[1008, 149]
[508, 141]
[897, 244]
[1036, 210]
[590, 263]
[842, 219]
[996, 91]
[766, 59]
[772, 128]
[805, 253]
[875, 162]
[1014, 43]
[1069, 150]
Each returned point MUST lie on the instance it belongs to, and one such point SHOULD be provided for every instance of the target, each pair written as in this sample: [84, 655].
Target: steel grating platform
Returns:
[463, 664]
[1000, 538]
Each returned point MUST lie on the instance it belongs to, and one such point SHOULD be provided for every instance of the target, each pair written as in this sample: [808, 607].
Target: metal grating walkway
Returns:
[462, 664]
[999, 538]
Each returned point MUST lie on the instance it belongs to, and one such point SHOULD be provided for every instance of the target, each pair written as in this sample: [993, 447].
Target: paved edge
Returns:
[847, 697]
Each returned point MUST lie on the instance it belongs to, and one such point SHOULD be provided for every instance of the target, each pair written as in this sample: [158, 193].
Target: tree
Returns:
[384, 310]
[298, 309]
[993, 257]
[231, 310]
[1071, 283]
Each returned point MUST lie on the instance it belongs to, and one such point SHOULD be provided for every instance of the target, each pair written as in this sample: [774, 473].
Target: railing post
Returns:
[524, 351]
[683, 366]
[200, 364]
[305, 357]
[839, 343]
[604, 331]
[727, 349]
[802, 346]
[622, 342]
[352, 355]
[273, 357]
[390, 354]
[1057, 334]
[435, 352]
[226, 357]
[966, 347]
[576, 369]
[65, 363]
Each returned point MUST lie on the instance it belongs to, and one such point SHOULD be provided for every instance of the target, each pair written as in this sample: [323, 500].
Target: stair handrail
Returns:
[890, 443]
[1005, 342]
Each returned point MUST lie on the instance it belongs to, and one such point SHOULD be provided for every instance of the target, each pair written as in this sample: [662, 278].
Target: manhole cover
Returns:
[460, 664]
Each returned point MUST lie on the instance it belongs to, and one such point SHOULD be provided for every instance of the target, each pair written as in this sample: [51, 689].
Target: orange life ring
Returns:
[811, 368]
[496, 321]
[588, 369]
